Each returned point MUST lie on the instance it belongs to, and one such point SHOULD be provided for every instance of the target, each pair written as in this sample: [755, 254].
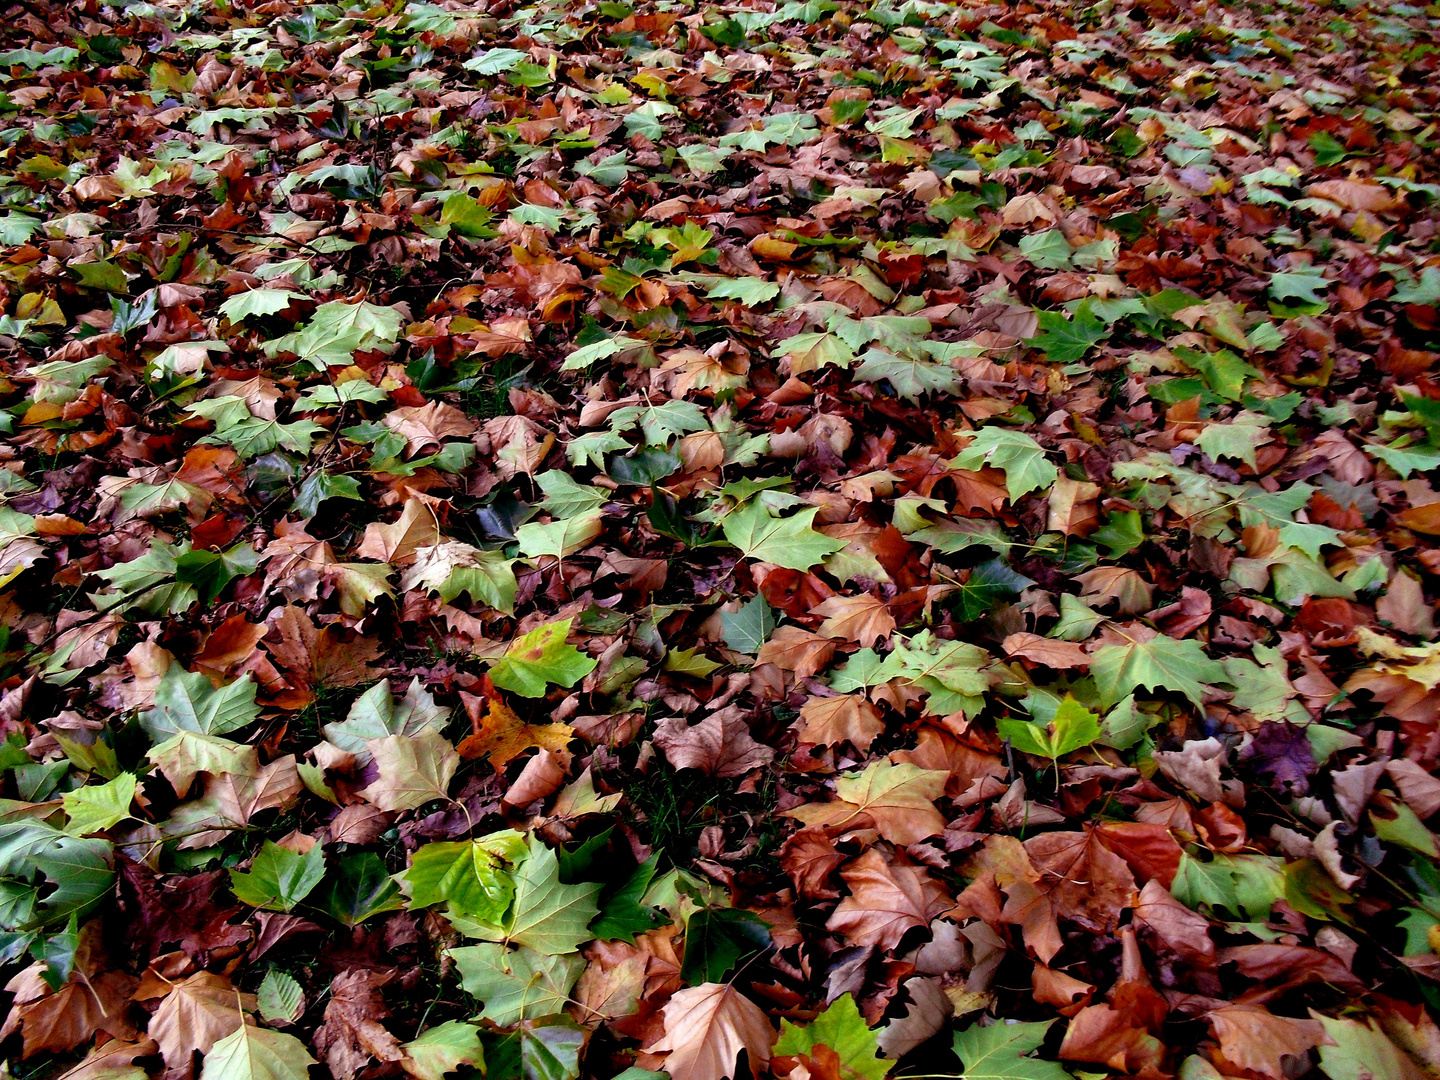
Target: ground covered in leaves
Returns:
[820, 539]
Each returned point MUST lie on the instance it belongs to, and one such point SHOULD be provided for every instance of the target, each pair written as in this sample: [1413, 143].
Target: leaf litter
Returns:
[823, 539]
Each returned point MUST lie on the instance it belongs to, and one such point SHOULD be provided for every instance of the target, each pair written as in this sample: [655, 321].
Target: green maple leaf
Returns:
[1304, 285]
[998, 1052]
[1020, 457]
[255, 436]
[624, 914]
[1238, 438]
[469, 875]
[1362, 1051]
[951, 672]
[564, 498]
[256, 1053]
[541, 657]
[750, 627]
[1224, 372]
[187, 701]
[910, 376]
[1066, 341]
[789, 542]
[443, 1049]
[545, 915]
[842, 1029]
[81, 871]
[1159, 664]
[1074, 726]
[97, 807]
[360, 887]
[560, 538]
[279, 878]
[257, 302]
[516, 984]
[337, 331]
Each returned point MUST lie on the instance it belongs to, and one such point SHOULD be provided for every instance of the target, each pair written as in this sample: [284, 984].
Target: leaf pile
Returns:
[812, 539]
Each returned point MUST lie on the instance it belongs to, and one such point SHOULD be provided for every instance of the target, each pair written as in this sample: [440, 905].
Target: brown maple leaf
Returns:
[352, 1035]
[719, 745]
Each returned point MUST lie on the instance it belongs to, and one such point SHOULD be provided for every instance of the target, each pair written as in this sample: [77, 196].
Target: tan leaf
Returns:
[543, 775]
[898, 799]
[414, 770]
[850, 718]
[1072, 507]
[1023, 209]
[810, 858]
[706, 1027]
[1048, 651]
[719, 745]
[885, 901]
[855, 618]
[1256, 1039]
[239, 796]
[792, 649]
[429, 424]
[397, 543]
[1418, 787]
[58, 1023]
[507, 334]
[195, 1015]
[519, 444]
[1356, 195]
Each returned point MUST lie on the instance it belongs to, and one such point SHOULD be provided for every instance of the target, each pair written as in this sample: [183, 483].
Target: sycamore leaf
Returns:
[97, 807]
[377, 713]
[538, 658]
[1019, 456]
[998, 1052]
[706, 1027]
[502, 736]
[188, 701]
[469, 875]
[255, 1053]
[899, 799]
[189, 753]
[516, 984]
[545, 915]
[1159, 664]
[279, 878]
[1361, 1051]
[443, 1049]
[413, 770]
[789, 542]
[840, 1027]
[1073, 726]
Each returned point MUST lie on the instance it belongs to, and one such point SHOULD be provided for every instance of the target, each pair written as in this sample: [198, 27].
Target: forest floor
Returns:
[819, 539]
